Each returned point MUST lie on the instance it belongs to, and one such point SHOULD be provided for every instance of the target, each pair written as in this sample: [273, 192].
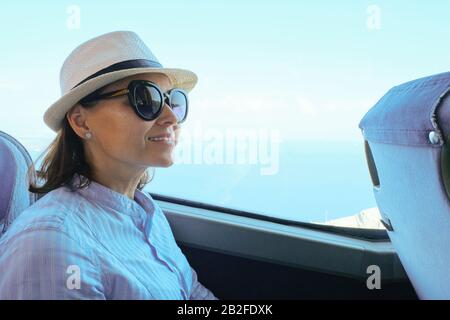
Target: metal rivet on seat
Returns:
[433, 136]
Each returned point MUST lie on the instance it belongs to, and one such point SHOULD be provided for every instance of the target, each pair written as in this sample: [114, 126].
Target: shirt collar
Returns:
[145, 200]
[98, 193]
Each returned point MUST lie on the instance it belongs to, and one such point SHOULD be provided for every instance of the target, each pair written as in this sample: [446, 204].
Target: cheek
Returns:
[177, 134]
[121, 133]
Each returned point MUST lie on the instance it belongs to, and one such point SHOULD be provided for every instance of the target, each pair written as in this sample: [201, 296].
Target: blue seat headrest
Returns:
[14, 194]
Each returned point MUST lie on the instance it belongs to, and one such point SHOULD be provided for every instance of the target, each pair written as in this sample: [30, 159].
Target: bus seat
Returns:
[406, 137]
[14, 194]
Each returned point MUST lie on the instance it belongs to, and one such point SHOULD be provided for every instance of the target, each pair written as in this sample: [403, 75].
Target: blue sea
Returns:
[315, 181]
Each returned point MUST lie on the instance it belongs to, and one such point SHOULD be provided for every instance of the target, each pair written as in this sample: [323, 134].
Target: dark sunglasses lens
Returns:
[148, 101]
[178, 103]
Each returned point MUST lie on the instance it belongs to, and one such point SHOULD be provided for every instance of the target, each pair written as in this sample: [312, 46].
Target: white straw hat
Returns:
[103, 60]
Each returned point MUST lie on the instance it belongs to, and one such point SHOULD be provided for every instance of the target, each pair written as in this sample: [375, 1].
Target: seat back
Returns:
[407, 147]
[14, 194]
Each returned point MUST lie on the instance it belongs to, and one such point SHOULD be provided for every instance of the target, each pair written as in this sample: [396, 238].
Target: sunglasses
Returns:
[147, 99]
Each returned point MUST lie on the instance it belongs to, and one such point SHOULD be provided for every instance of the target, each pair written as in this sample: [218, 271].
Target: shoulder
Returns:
[41, 248]
[56, 211]
[49, 231]
[43, 245]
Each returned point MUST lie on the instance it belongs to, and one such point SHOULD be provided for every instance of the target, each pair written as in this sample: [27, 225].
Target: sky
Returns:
[309, 69]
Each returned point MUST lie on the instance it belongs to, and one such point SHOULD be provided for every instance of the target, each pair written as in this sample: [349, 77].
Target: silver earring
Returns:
[88, 135]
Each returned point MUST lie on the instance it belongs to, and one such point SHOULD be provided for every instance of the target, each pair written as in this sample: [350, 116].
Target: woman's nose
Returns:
[167, 115]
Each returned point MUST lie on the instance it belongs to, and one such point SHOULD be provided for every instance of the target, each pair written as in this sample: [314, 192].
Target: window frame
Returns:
[374, 235]
[291, 245]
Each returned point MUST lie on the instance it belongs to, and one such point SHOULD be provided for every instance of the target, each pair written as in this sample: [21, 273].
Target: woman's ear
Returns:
[77, 118]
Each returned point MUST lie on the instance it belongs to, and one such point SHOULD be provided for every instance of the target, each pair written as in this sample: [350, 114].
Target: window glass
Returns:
[273, 122]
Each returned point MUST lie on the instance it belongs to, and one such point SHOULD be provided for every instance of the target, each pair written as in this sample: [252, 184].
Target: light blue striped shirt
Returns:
[94, 243]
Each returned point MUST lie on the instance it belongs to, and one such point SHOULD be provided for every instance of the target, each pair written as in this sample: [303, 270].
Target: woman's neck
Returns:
[116, 175]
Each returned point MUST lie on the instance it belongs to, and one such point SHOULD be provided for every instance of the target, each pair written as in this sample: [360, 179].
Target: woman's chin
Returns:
[162, 163]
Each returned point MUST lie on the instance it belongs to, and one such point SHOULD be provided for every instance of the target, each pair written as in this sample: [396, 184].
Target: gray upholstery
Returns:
[14, 195]
[407, 134]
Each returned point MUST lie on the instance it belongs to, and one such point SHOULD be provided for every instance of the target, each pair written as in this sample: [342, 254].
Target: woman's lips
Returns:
[165, 140]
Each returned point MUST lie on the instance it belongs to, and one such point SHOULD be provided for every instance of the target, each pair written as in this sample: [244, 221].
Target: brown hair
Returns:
[64, 159]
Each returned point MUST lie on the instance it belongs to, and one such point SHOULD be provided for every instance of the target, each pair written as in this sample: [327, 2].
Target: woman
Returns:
[95, 234]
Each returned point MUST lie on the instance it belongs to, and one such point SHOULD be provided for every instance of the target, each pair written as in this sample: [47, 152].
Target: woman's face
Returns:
[121, 136]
